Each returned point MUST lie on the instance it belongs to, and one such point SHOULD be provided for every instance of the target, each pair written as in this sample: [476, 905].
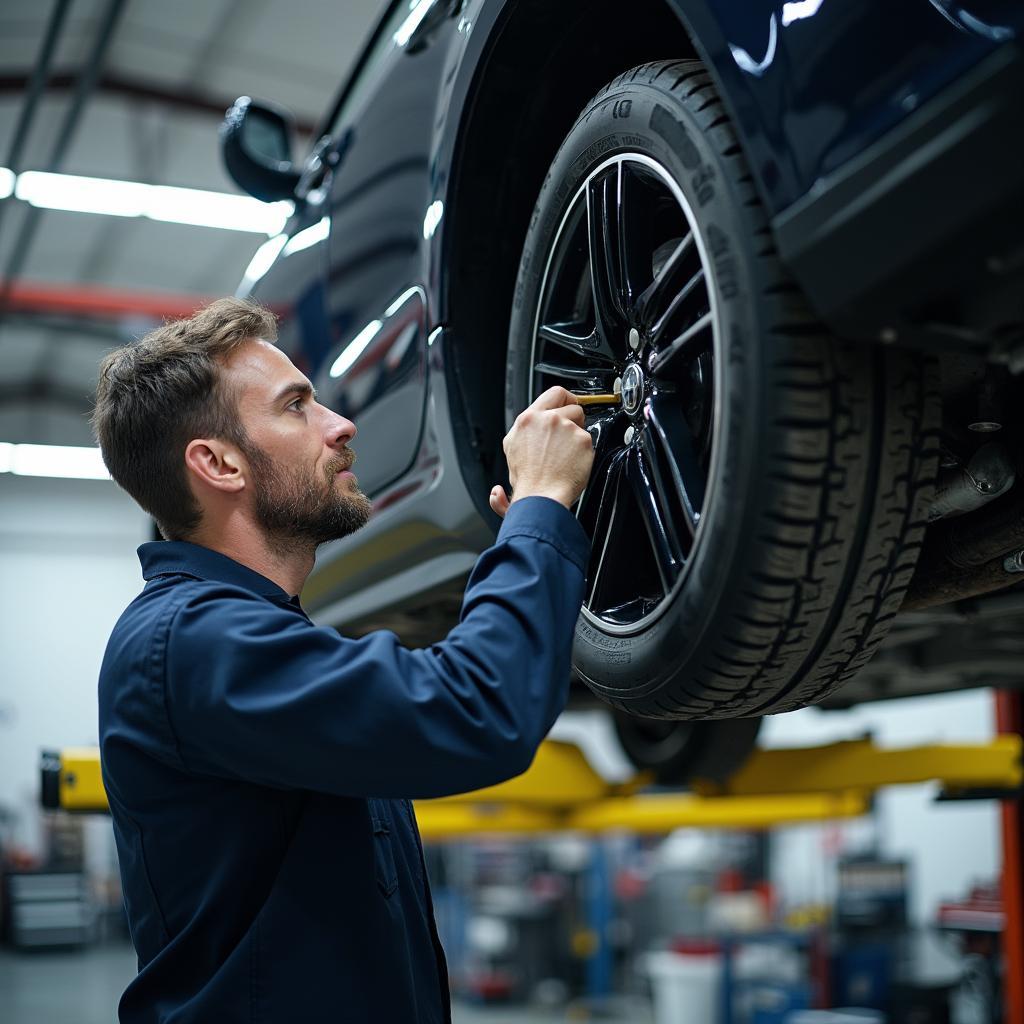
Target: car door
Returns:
[377, 197]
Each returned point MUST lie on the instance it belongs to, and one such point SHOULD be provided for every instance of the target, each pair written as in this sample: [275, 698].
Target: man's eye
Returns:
[296, 405]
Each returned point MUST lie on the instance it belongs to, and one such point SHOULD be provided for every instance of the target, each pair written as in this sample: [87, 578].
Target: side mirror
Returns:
[256, 143]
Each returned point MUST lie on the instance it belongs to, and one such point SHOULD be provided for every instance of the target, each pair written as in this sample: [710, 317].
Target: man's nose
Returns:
[340, 431]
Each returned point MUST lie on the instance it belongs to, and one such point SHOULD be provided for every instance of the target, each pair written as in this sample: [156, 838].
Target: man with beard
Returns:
[259, 768]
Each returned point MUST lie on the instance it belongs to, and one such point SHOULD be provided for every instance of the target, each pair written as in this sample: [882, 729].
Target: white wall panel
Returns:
[67, 570]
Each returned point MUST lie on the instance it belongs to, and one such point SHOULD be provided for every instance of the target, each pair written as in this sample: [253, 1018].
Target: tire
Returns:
[818, 456]
[679, 752]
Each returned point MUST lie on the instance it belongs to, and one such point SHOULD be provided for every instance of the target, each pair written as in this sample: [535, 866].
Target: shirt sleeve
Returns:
[257, 693]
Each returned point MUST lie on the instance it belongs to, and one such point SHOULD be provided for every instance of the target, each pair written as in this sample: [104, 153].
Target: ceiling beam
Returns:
[98, 332]
[140, 91]
[49, 393]
[84, 87]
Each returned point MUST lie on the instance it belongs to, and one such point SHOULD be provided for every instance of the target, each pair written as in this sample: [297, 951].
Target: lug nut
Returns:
[1014, 563]
[634, 338]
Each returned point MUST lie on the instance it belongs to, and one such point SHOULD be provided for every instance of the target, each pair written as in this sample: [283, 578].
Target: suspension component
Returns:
[968, 556]
[964, 488]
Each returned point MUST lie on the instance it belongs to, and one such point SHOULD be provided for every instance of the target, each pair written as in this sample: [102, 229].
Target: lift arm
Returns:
[561, 792]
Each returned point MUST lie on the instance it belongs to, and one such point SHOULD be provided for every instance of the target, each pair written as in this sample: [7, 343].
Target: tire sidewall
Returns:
[645, 119]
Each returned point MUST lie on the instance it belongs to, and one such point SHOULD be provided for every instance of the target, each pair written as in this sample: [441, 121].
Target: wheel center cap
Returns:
[632, 388]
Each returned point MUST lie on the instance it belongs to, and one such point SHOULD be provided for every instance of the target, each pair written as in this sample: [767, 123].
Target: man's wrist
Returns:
[563, 495]
[543, 518]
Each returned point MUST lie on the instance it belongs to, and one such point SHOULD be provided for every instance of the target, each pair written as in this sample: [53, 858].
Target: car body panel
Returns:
[369, 225]
[809, 84]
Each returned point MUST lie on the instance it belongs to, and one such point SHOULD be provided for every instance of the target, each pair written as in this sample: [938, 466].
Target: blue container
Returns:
[863, 975]
[773, 1002]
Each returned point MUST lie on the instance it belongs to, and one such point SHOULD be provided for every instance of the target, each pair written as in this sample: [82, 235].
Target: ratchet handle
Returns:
[606, 399]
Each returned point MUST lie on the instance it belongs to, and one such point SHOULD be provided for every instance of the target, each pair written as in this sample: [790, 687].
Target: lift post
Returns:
[1010, 723]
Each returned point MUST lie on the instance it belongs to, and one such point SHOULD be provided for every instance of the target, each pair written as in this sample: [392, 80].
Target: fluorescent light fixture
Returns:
[355, 348]
[308, 236]
[81, 195]
[54, 460]
[435, 211]
[215, 210]
[157, 202]
[6, 182]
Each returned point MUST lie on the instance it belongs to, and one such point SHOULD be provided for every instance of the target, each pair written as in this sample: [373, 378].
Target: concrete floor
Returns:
[83, 987]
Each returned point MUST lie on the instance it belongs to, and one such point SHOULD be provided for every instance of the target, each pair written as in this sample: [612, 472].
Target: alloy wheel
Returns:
[627, 305]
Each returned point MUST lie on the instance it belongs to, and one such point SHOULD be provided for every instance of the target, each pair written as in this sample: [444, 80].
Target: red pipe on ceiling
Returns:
[100, 303]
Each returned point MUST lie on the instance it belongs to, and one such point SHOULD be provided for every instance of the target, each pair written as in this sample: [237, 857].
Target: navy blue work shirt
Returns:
[259, 770]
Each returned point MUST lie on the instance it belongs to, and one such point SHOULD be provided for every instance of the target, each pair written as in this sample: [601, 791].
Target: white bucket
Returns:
[687, 987]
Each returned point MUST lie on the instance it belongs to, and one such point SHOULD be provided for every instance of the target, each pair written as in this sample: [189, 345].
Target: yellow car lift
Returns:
[561, 792]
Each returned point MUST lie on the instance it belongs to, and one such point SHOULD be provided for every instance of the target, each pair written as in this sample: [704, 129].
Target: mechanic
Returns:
[259, 768]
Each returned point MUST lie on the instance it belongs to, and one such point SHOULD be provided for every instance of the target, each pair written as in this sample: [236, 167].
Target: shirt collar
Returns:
[179, 556]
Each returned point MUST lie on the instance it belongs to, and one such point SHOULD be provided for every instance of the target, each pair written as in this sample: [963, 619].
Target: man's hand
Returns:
[548, 451]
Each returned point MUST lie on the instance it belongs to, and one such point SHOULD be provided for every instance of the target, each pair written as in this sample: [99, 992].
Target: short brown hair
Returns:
[159, 393]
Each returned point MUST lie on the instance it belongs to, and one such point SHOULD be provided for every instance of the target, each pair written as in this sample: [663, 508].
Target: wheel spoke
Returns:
[668, 277]
[671, 434]
[603, 433]
[657, 521]
[633, 221]
[594, 376]
[605, 526]
[577, 339]
[691, 339]
[658, 469]
[604, 245]
[658, 328]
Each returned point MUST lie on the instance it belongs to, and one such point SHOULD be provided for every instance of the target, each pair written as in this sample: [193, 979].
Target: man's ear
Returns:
[216, 464]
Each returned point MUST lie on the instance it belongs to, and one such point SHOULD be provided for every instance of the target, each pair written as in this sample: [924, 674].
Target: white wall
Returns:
[67, 569]
[949, 845]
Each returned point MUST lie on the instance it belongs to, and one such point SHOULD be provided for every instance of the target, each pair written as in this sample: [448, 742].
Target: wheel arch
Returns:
[566, 52]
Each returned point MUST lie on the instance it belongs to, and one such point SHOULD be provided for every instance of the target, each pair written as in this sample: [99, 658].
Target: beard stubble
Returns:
[299, 509]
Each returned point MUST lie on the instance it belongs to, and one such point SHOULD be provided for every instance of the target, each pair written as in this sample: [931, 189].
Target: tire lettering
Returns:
[725, 266]
[622, 108]
[676, 136]
[591, 153]
[737, 346]
[702, 184]
[621, 645]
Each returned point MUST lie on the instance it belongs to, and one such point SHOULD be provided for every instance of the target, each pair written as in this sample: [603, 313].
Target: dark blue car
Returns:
[789, 235]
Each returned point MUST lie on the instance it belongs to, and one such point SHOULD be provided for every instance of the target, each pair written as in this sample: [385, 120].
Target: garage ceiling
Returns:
[169, 71]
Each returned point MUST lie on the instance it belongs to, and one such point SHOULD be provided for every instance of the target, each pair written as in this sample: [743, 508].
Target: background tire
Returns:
[823, 457]
[678, 752]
